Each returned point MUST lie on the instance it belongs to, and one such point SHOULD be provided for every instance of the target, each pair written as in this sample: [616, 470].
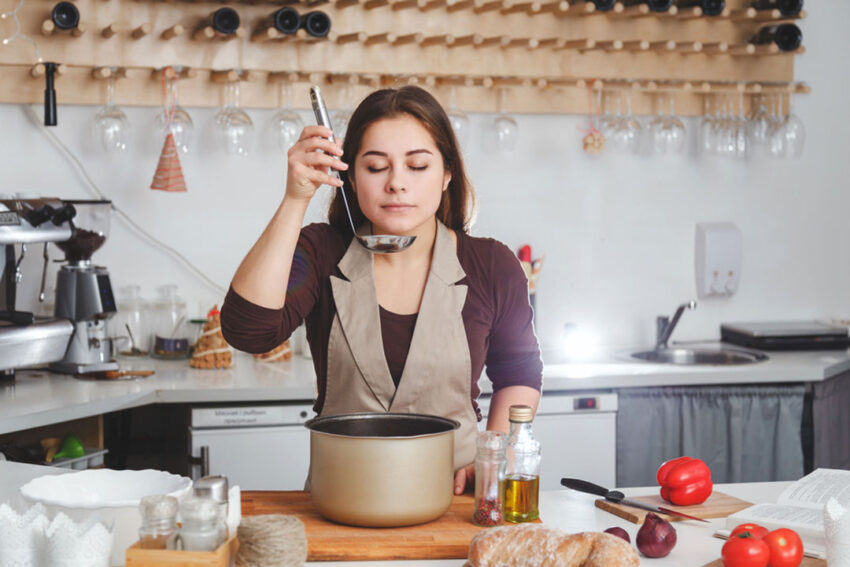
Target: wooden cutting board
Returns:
[718, 505]
[807, 562]
[445, 538]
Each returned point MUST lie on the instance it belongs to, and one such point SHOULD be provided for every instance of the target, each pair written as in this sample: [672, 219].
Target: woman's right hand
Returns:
[309, 160]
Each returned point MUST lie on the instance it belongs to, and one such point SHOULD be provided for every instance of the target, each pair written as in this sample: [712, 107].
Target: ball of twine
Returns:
[272, 540]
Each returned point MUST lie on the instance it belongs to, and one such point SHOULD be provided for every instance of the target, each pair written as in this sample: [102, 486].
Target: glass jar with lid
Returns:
[200, 529]
[490, 464]
[132, 320]
[170, 333]
[159, 522]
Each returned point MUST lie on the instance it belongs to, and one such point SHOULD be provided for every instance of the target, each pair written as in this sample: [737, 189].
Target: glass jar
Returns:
[200, 530]
[132, 321]
[490, 464]
[159, 522]
[170, 333]
[522, 475]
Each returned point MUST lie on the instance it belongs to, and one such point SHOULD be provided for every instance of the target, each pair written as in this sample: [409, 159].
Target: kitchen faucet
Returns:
[664, 325]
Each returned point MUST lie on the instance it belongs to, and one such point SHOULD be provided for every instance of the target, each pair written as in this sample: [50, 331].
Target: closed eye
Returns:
[375, 169]
[422, 168]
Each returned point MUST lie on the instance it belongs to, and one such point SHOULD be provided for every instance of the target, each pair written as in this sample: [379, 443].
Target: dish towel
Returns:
[836, 523]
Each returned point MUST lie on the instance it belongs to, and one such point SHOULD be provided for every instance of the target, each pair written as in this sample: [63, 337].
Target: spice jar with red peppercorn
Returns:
[490, 465]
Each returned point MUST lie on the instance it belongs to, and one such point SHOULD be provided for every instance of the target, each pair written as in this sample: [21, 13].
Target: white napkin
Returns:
[69, 544]
[234, 509]
[836, 523]
[22, 536]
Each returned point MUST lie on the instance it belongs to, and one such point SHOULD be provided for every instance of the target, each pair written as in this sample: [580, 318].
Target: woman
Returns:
[403, 332]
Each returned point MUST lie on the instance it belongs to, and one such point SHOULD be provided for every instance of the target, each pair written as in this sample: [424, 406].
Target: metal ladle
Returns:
[378, 243]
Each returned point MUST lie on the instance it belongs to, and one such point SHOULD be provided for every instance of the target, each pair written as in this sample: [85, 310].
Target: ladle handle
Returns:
[323, 119]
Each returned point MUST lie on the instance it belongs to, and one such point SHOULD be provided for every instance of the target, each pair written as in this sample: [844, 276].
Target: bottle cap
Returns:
[521, 414]
[215, 487]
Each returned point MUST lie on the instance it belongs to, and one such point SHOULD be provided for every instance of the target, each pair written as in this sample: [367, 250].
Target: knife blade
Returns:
[620, 498]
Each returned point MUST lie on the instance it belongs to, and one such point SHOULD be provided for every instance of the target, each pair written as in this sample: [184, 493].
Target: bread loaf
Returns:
[536, 545]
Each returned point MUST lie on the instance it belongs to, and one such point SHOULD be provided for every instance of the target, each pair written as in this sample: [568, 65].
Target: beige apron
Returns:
[436, 378]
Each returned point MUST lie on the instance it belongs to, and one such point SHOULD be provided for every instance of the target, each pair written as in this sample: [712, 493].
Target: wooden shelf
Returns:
[542, 48]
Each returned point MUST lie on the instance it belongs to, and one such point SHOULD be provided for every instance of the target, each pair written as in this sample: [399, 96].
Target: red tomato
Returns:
[755, 530]
[786, 548]
[745, 551]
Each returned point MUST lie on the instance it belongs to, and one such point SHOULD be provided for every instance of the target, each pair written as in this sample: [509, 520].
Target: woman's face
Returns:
[399, 175]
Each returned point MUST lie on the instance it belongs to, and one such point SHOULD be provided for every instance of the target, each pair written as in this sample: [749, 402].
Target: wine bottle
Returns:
[654, 5]
[224, 20]
[317, 24]
[286, 20]
[65, 16]
[788, 8]
[709, 7]
[787, 37]
[603, 5]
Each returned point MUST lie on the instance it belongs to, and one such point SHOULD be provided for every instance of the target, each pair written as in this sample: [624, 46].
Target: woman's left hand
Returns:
[465, 477]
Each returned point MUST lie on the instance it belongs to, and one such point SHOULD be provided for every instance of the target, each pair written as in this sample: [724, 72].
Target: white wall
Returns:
[617, 231]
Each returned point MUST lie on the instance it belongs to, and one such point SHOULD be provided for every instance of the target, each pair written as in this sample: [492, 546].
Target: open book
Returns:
[800, 507]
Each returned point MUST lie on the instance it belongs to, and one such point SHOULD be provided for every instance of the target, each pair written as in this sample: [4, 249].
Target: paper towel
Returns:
[836, 523]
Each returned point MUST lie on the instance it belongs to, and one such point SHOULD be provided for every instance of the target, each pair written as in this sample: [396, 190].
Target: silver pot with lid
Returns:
[382, 469]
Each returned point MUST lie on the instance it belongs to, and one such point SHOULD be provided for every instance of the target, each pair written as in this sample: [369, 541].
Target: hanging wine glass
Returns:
[608, 121]
[235, 127]
[776, 143]
[627, 130]
[759, 122]
[287, 124]
[706, 126]
[111, 125]
[505, 126]
[740, 131]
[175, 120]
[458, 119]
[795, 132]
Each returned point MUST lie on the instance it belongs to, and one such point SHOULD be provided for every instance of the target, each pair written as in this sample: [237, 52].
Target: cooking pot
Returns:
[382, 469]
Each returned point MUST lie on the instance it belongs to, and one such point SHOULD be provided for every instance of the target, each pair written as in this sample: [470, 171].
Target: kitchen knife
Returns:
[620, 498]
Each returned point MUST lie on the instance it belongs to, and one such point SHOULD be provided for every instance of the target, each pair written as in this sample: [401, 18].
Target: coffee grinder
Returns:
[26, 340]
[84, 292]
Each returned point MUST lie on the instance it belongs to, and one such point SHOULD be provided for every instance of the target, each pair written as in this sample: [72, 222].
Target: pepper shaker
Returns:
[216, 488]
[490, 464]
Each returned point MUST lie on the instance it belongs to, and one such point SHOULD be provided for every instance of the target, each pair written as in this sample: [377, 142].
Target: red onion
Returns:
[619, 532]
[656, 537]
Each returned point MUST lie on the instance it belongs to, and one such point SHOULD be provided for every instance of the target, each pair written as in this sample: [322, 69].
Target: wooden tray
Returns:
[807, 562]
[221, 557]
[718, 505]
[445, 538]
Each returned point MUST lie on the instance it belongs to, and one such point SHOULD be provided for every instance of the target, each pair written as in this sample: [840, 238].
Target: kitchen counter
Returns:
[38, 397]
[565, 509]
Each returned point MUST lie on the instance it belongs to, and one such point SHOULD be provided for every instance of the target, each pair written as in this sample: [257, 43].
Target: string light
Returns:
[17, 33]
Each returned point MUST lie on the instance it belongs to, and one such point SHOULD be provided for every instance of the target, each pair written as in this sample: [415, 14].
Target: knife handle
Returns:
[584, 486]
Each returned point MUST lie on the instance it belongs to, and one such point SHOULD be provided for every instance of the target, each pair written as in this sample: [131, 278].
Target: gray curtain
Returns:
[744, 433]
[831, 416]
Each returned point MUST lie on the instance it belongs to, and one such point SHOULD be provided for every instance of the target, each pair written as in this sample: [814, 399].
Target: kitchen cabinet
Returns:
[745, 433]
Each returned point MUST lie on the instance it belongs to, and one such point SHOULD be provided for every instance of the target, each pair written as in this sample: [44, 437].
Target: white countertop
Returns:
[566, 509]
[37, 398]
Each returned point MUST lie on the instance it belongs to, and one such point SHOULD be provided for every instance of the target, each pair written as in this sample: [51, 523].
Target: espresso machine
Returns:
[84, 292]
[24, 339]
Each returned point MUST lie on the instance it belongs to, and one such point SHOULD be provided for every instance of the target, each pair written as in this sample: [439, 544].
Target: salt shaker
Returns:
[200, 529]
[159, 522]
[490, 464]
[215, 487]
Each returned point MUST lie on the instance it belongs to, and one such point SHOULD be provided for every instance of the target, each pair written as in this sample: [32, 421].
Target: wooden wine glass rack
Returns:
[546, 54]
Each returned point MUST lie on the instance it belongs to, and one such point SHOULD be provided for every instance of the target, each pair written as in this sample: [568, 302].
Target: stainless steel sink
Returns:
[691, 356]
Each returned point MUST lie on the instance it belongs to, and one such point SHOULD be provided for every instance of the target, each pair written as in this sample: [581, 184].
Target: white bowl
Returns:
[111, 496]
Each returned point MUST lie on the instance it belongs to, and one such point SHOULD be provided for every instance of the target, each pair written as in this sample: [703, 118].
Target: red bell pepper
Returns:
[685, 481]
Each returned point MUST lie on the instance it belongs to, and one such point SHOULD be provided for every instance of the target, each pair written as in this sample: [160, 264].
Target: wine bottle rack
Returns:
[545, 53]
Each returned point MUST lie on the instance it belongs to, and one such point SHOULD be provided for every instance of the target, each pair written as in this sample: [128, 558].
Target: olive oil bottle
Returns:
[522, 479]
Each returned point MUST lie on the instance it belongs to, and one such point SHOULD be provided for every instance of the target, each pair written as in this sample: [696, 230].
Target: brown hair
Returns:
[457, 205]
